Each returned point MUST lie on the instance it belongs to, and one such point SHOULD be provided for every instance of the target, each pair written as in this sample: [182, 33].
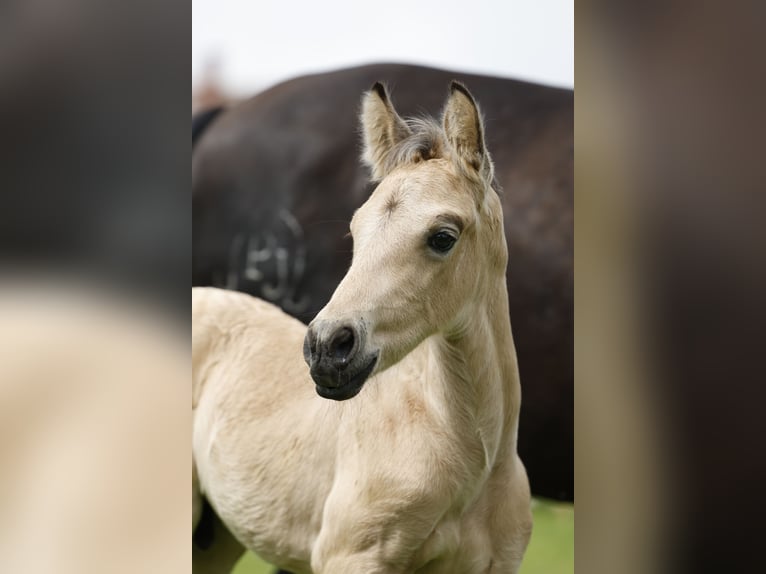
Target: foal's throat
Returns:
[472, 376]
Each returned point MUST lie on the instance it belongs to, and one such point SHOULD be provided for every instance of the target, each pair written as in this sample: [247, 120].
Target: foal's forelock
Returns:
[391, 142]
[426, 142]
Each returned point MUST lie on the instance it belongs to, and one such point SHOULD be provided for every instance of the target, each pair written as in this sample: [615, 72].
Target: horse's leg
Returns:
[214, 548]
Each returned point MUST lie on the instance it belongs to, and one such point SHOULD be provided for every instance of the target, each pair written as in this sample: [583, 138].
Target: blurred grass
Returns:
[551, 550]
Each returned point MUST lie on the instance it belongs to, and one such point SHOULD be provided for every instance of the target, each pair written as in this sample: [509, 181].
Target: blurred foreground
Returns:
[95, 227]
[670, 277]
[93, 432]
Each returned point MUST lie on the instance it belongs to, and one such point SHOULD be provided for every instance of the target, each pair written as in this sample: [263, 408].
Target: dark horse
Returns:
[276, 179]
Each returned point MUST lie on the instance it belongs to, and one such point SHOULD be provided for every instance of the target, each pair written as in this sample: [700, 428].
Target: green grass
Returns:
[551, 550]
[251, 564]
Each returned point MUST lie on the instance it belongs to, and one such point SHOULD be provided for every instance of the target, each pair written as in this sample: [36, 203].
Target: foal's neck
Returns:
[473, 372]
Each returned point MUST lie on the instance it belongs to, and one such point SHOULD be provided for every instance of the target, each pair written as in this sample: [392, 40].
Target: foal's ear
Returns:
[382, 129]
[464, 129]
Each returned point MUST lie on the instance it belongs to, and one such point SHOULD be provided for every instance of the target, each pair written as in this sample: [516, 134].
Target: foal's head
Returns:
[428, 244]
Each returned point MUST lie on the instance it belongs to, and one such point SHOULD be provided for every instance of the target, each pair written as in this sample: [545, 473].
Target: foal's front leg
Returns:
[354, 565]
[378, 533]
[343, 559]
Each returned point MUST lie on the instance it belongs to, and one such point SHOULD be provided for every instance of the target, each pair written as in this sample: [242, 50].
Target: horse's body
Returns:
[276, 179]
[419, 472]
[202, 120]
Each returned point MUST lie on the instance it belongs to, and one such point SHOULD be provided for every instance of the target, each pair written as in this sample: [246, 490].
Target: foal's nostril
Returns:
[312, 345]
[341, 346]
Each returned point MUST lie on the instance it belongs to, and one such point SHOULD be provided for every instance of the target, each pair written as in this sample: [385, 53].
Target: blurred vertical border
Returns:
[669, 187]
[95, 251]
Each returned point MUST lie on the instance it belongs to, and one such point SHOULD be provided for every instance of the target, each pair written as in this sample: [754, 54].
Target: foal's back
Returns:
[227, 326]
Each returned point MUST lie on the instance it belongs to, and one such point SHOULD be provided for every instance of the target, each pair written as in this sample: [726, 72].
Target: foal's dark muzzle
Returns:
[337, 364]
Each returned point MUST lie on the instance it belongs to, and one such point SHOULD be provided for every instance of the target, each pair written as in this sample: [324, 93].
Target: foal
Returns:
[419, 472]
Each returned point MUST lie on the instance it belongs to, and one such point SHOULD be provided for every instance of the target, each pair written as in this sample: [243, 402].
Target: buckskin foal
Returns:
[419, 472]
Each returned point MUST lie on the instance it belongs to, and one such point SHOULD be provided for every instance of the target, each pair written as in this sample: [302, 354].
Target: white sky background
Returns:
[261, 42]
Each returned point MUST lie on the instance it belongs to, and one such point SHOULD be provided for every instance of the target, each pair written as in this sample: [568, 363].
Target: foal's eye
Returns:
[441, 241]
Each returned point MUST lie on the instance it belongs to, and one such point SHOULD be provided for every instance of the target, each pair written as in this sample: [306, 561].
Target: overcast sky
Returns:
[260, 42]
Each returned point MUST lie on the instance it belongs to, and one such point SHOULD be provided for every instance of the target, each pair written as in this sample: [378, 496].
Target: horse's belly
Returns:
[269, 497]
[271, 535]
[273, 520]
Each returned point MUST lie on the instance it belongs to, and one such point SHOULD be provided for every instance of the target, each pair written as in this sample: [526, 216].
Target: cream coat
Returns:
[419, 471]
